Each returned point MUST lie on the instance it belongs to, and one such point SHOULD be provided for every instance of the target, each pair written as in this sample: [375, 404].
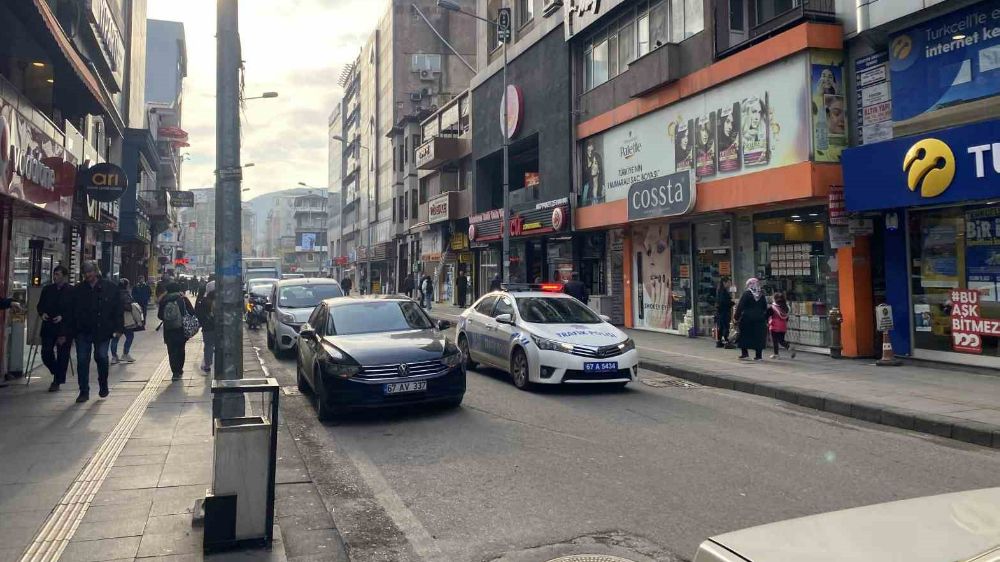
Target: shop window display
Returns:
[953, 248]
[793, 256]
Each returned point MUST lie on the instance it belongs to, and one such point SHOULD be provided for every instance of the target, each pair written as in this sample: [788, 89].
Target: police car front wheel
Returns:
[519, 369]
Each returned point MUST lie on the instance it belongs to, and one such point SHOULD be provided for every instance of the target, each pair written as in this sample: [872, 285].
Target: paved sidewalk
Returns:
[113, 479]
[940, 400]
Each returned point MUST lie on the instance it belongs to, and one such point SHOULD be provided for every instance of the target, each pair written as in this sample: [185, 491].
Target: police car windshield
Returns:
[554, 310]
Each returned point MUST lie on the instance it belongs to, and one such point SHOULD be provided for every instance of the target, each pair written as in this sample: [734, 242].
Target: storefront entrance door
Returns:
[711, 265]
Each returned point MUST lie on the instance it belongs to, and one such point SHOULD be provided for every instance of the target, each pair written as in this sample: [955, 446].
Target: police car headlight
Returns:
[627, 345]
[551, 345]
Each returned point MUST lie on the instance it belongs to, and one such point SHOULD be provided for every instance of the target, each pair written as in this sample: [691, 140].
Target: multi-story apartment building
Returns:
[166, 68]
[197, 232]
[336, 260]
[280, 227]
[921, 184]
[249, 238]
[403, 70]
[311, 246]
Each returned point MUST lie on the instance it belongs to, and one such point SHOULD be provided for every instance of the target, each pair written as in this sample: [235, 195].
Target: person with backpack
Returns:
[129, 321]
[97, 317]
[204, 309]
[174, 309]
[777, 323]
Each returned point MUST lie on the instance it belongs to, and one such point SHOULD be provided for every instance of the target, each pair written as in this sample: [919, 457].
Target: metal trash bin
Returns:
[239, 509]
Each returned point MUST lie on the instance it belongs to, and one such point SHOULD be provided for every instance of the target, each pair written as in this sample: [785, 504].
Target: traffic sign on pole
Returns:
[503, 25]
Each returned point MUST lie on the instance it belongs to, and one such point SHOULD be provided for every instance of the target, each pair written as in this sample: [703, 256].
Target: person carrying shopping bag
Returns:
[751, 314]
[176, 312]
[130, 320]
[777, 323]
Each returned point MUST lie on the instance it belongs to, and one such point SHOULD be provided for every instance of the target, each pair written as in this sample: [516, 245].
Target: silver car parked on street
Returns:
[291, 303]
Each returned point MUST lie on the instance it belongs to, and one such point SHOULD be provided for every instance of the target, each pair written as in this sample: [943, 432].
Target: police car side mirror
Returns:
[505, 319]
[605, 317]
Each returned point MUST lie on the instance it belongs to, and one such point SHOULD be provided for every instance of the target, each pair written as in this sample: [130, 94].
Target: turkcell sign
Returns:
[665, 196]
[946, 166]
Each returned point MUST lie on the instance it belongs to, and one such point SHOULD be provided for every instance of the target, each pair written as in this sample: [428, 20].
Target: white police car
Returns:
[545, 337]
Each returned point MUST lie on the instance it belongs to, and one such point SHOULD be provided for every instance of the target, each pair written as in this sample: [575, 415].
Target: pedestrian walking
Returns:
[55, 307]
[173, 307]
[129, 324]
[777, 323]
[204, 309]
[724, 302]
[576, 288]
[462, 287]
[427, 291]
[141, 293]
[408, 284]
[97, 317]
[751, 314]
[495, 283]
[346, 285]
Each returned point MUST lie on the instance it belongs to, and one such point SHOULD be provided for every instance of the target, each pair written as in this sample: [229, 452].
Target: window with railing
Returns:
[642, 28]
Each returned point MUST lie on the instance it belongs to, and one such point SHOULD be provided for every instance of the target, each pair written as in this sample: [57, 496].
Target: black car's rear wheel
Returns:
[463, 346]
[519, 369]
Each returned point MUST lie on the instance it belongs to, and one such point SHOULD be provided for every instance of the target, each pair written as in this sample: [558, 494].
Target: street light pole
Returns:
[228, 210]
[505, 216]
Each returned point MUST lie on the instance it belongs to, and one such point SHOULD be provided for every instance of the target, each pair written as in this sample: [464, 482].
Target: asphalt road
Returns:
[646, 473]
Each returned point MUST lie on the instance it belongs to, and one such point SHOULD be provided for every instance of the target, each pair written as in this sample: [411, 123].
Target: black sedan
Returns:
[370, 352]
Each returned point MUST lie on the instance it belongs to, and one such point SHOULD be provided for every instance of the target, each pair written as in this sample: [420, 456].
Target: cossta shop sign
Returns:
[104, 182]
[665, 196]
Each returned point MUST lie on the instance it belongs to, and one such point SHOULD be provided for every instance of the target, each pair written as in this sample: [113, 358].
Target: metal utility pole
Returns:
[505, 224]
[228, 210]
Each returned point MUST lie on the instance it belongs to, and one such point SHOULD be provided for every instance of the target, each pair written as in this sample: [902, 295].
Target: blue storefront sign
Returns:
[948, 60]
[946, 166]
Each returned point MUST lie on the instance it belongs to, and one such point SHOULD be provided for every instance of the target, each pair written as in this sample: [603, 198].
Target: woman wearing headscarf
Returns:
[751, 314]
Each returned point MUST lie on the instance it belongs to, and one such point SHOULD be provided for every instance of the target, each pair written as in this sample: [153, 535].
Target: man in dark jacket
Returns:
[55, 306]
[346, 285]
[408, 285]
[576, 289]
[462, 287]
[97, 317]
[174, 337]
[142, 293]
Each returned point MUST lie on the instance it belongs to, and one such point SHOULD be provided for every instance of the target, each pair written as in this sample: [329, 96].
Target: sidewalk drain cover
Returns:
[662, 381]
[290, 391]
[590, 558]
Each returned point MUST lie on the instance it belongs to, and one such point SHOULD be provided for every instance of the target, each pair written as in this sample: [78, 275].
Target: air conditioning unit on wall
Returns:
[426, 74]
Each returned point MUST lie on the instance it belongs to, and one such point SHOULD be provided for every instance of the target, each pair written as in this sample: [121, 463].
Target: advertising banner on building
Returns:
[654, 294]
[754, 122]
[951, 59]
[35, 167]
[829, 107]
[982, 253]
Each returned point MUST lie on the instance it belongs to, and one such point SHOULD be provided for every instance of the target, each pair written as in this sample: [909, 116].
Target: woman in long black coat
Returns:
[751, 314]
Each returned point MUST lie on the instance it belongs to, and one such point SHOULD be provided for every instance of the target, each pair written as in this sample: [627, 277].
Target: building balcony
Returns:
[319, 208]
[771, 17]
[657, 68]
[441, 150]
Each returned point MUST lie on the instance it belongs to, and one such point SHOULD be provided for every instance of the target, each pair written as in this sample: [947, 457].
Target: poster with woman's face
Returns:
[593, 174]
[684, 146]
[756, 133]
[705, 137]
[728, 138]
[653, 255]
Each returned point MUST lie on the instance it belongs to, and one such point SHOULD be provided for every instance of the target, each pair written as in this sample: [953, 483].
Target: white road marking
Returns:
[422, 542]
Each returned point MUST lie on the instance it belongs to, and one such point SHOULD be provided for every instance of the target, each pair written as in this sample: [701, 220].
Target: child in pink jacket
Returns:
[777, 323]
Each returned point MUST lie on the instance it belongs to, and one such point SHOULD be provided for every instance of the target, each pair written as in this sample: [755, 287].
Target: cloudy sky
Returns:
[294, 47]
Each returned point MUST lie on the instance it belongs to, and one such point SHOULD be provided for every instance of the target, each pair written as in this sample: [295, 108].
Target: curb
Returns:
[986, 435]
[983, 434]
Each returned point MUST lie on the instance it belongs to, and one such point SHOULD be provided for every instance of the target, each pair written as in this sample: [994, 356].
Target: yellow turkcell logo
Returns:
[901, 47]
[930, 165]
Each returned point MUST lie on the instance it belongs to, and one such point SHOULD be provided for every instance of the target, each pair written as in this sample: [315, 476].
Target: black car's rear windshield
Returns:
[371, 317]
[555, 310]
